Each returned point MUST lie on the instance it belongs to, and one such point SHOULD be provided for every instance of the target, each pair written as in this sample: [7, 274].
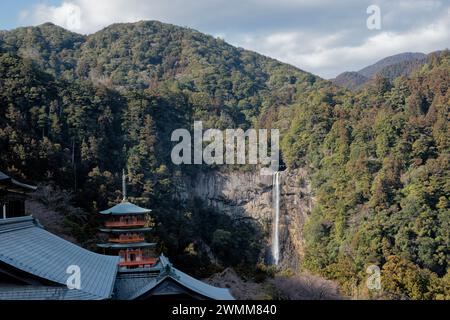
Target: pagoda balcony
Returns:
[141, 263]
[130, 239]
[125, 224]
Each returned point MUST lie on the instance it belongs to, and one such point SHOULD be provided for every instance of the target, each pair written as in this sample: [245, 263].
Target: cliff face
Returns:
[249, 194]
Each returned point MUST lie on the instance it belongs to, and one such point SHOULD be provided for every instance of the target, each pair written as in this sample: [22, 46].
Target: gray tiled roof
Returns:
[44, 293]
[129, 287]
[127, 284]
[126, 245]
[126, 208]
[26, 246]
[3, 176]
[198, 286]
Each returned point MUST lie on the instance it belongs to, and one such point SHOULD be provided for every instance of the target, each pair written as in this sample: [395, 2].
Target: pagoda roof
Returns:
[106, 230]
[27, 247]
[126, 245]
[125, 208]
[14, 185]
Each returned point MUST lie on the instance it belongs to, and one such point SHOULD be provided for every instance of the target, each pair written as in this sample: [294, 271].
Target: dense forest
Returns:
[380, 165]
[75, 110]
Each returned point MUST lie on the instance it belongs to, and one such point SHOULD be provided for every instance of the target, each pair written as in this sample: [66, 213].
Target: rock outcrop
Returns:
[249, 194]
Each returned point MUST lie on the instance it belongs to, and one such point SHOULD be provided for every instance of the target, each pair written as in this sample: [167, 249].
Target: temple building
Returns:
[126, 226]
[34, 265]
[12, 196]
[38, 265]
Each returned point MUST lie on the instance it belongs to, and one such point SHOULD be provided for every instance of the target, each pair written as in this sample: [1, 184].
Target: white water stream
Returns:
[276, 221]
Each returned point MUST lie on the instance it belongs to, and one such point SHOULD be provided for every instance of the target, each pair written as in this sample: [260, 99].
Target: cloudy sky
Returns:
[325, 37]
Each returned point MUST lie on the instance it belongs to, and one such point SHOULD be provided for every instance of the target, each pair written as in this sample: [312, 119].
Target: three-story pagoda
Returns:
[126, 226]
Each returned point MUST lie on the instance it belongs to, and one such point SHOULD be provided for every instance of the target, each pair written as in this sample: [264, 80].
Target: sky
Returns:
[325, 37]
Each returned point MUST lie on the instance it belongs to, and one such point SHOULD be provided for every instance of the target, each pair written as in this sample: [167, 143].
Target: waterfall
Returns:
[276, 221]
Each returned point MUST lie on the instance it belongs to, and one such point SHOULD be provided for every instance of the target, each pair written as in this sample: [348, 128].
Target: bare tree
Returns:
[304, 286]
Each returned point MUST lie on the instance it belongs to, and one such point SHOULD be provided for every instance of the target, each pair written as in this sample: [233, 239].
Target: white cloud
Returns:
[325, 55]
[324, 37]
[67, 15]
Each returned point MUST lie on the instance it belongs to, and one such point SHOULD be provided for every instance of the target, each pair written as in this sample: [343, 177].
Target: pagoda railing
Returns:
[137, 263]
[132, 223]
[127, 239]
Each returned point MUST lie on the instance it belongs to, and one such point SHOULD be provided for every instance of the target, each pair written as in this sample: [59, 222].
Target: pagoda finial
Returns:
[124, 186]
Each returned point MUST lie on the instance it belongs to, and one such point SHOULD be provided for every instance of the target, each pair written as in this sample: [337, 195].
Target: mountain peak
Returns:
[390, 67]
[373, 69]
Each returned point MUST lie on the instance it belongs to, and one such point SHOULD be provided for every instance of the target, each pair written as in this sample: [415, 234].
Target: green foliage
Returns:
[404, 280]
[75, 110]
[189, 229]
[382, 184]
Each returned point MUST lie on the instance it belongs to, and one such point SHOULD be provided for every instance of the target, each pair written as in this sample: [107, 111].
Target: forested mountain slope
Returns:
[391, 67]
[400, 58]
[79, 109]
[75, 110]
[148, 54]
[381, 177]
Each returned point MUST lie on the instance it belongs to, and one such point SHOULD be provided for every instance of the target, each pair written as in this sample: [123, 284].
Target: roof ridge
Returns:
[12, 224]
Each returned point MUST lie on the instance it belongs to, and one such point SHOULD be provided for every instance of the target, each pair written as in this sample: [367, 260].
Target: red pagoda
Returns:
[126, 226]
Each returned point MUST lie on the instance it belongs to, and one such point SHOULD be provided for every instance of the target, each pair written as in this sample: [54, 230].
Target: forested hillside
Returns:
[78, 137]
[75, 110]
[402, 64]
[240, 83]
[380, 164]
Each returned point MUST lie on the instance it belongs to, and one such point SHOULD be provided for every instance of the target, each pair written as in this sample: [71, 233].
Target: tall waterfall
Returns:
[276, 221]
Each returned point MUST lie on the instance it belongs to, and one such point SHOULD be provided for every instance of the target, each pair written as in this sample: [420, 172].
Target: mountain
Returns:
[377, 67]
[52, 48]
[78, 109]
[149, 53]
[367, 172]
[390, 67]
[350, 80]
